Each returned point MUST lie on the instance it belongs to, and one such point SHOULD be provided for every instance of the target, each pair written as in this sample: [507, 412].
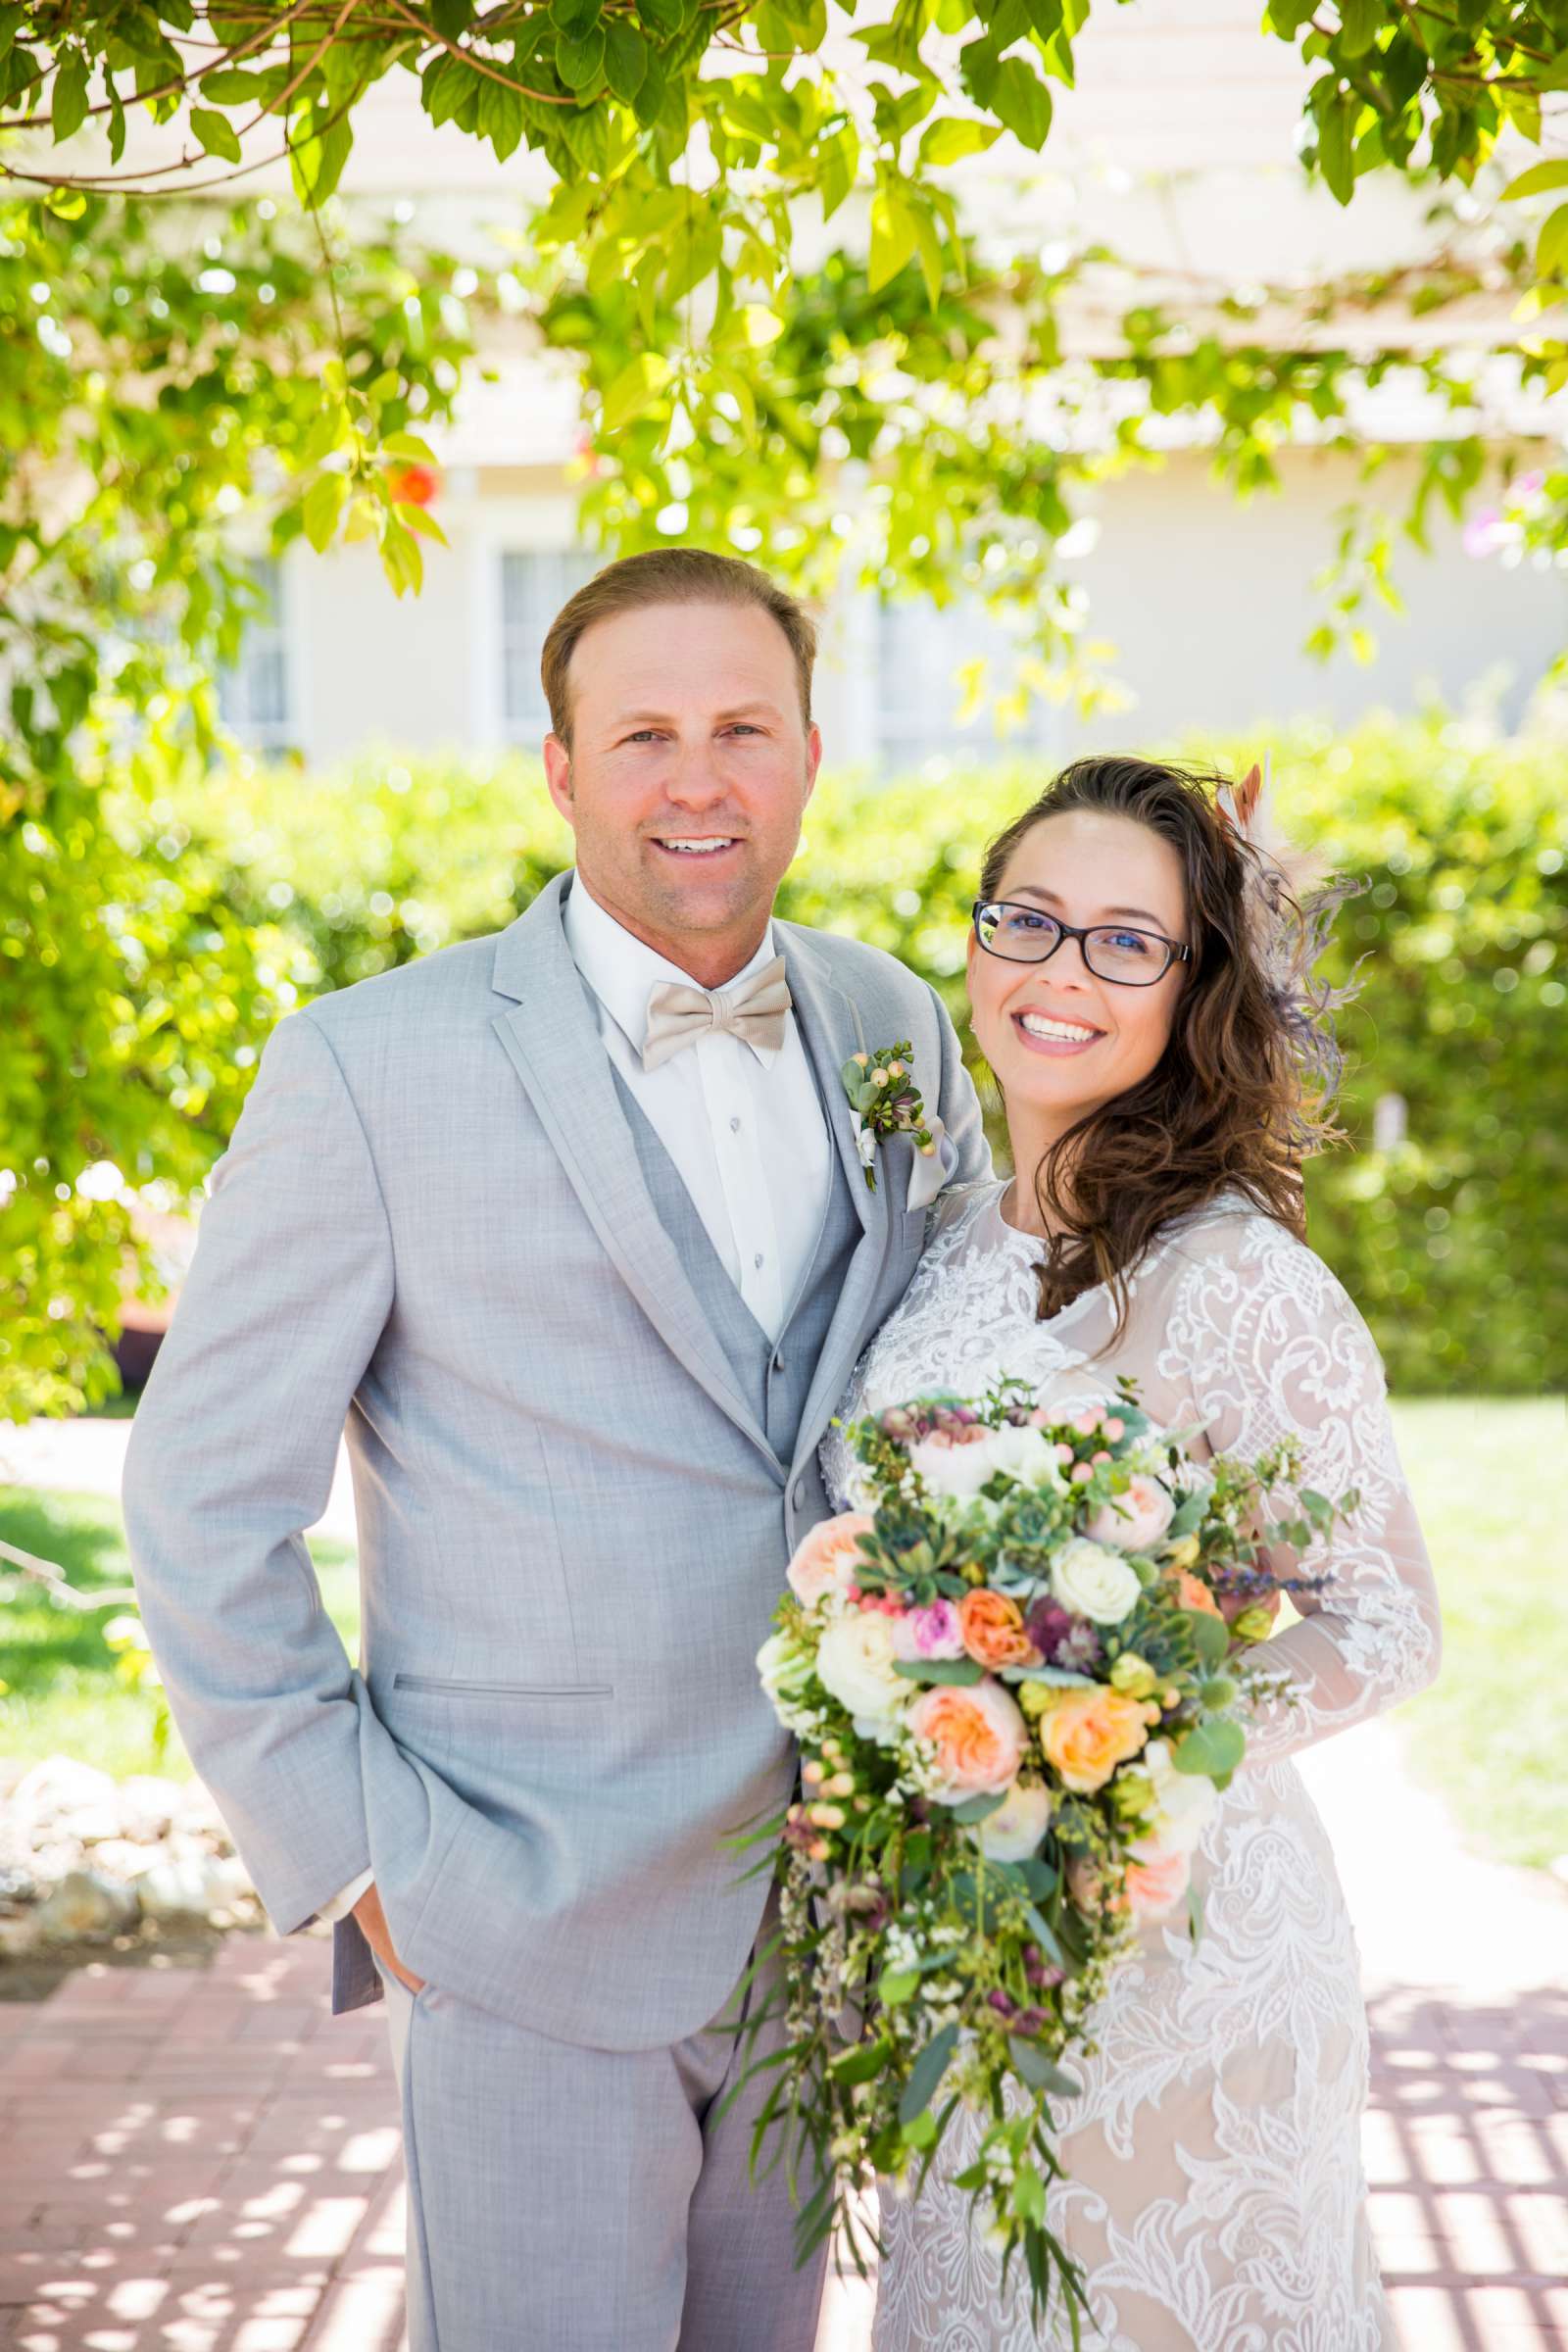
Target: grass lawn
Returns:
[59, 1695]
[1491, 1479]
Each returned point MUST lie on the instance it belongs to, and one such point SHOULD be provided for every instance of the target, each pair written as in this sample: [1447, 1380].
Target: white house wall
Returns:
[1206, 602]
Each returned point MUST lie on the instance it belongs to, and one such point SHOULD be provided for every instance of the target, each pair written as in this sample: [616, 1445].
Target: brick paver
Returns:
[205, 2160]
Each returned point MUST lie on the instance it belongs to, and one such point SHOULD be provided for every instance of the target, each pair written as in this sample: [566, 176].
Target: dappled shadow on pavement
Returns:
[1466, 2146]
[202, 2159]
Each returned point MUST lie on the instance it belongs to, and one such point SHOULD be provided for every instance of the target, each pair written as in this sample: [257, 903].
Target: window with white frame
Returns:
[255, 697]
[920, 649]
[535, 582]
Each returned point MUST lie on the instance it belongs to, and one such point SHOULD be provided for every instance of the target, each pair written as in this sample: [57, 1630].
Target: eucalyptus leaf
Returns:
[1212, 1747]
[961, 1671]
[1211, 1636]
[861, 2064]
[977, 1809]
[1038, 2071]
[926, 2074]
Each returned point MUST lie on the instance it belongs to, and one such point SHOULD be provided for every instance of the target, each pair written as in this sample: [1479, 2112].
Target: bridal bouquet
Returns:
[1016, 1685]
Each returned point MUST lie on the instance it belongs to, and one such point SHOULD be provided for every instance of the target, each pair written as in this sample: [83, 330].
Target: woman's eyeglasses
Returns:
[1112, 950]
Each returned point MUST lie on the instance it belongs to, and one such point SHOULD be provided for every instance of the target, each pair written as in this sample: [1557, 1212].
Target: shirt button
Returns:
[734, 1126]
[757, 1259]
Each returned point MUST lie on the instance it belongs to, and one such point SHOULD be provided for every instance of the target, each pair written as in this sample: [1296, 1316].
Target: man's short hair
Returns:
[669, 575]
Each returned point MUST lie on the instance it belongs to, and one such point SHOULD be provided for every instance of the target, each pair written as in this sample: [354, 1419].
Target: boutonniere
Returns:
[883, 1099]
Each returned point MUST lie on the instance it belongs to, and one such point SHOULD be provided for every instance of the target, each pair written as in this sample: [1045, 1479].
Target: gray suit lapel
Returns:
[552, 1043]
[833, 1029]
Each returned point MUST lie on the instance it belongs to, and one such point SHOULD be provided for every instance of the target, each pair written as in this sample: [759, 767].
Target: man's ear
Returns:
[813, 757]
[558, 776]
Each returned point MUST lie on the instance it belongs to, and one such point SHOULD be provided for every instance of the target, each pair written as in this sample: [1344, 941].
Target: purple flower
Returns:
[1080, 1648]
[1062, 1639]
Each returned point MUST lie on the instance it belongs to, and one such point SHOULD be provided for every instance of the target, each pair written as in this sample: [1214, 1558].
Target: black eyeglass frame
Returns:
[1174, 952]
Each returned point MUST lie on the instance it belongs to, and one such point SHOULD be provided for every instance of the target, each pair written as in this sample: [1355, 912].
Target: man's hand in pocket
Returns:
[373, 1920]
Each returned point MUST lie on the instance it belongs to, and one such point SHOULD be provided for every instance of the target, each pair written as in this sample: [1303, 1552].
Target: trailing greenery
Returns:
[615, 95]
[1451, 1240]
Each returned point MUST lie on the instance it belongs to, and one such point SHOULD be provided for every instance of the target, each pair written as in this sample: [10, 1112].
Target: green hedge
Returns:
[1455, 1242]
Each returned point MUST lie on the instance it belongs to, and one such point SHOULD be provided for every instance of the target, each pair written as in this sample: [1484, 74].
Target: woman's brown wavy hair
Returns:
[1243, 1093]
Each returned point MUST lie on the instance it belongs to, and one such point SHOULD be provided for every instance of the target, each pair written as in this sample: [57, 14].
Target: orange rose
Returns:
[991, 1629]
[1087, 1733]
[1194, 1593]
[978, 1732]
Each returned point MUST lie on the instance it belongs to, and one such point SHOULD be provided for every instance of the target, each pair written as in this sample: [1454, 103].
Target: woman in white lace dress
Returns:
[1161, 1074]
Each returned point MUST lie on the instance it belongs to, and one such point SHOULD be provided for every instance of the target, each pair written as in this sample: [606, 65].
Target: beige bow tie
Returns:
[678, 1017]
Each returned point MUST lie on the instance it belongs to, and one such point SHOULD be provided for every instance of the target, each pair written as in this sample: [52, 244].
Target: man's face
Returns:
[689, 774]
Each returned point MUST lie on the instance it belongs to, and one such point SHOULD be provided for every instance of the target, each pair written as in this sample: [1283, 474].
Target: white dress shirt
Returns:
[742, 1123]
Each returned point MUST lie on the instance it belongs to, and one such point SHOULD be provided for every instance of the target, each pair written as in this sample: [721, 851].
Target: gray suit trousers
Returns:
[564, 2199]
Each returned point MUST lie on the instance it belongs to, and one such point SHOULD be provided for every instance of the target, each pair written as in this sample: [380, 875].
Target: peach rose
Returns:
[1194, 1593]
[978, 1732]
[824, 1561]
[992, 1627]
[1156, 1878]
[1086, 1734]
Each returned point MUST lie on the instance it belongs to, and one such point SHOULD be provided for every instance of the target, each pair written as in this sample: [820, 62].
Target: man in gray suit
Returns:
[570, 1226]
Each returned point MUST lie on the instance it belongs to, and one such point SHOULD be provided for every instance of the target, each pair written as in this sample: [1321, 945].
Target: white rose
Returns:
[957, 1470]
[865, 1139]
[785, 1668]
[1026, 1454]
[1013, 1832]
[856, 1662]
[1097, 1582]
[1134, 1520]
[1183, 1801]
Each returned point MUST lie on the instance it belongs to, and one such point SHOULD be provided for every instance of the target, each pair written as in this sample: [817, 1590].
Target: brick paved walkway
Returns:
[204, 2160]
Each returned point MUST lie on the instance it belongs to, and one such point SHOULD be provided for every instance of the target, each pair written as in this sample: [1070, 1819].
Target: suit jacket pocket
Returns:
[458, 1688]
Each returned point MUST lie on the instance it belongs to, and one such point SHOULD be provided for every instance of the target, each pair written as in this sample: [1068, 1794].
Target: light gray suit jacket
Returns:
[432, 1221]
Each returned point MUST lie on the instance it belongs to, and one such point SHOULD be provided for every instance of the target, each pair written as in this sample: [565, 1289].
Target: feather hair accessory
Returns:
[1290, 911]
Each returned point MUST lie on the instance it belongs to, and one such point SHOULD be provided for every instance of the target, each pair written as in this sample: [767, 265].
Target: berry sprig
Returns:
[884, 1100]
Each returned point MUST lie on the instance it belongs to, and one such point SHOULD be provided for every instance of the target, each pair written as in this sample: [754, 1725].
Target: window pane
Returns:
[254, 696]
[535, 582]
[920, 649]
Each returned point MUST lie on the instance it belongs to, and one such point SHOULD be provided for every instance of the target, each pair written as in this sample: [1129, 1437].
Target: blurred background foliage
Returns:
[1442, 1214]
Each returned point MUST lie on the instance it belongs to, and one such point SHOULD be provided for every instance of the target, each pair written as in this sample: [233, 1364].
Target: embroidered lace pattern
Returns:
[1216, 2197]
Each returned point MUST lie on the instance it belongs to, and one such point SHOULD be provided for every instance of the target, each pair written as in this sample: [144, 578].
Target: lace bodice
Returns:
[1215, 2195]
[1235, 1325]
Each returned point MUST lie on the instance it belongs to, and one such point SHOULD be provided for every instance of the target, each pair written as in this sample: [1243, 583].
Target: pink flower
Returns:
[1136, 1519]
[930, 1633]
[825, 1560]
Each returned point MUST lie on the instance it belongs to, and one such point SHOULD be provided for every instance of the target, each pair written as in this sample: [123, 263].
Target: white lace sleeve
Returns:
[1269, 1344]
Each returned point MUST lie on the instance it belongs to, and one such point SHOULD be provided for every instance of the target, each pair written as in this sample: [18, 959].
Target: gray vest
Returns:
[775, 1381]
